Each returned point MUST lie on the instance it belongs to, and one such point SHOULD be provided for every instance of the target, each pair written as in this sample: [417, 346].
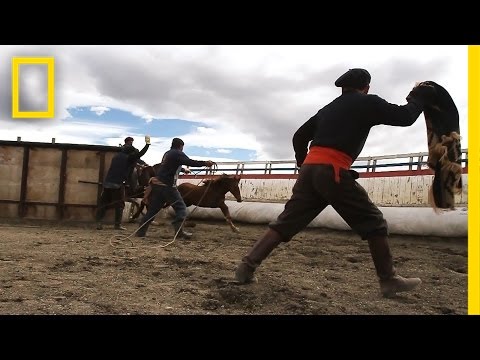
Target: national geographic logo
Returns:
[33, 100]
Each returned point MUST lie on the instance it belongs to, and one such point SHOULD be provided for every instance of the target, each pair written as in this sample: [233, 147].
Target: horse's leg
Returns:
[133, 208]
[228, 218]
[139, 210]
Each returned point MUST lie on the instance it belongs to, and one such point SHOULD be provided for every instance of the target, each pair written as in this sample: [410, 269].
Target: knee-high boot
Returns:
[99, 215]
[118, 219]
[390, 282]
[182, 234]
[143, 227]
[259, 252]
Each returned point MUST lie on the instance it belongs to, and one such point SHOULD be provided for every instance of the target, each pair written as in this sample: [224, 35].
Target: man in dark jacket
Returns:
[338, 133]
[113, 194]
[132, 177]
[129, 142]
[164, 189]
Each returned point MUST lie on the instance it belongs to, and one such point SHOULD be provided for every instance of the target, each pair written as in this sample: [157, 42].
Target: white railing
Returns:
[408, 161]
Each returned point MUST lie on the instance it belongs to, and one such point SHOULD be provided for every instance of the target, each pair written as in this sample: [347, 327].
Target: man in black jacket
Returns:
[129, 142]
[164, 189]
[338, 133]
[113, 194]
[132, 177]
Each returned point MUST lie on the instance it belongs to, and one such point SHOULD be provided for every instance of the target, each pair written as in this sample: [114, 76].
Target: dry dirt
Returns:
[69, 269]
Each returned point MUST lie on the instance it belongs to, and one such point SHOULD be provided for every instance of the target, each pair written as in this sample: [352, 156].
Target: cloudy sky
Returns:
[226, 102]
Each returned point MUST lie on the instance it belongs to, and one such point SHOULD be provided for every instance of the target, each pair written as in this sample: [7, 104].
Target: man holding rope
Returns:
[164, 189]
[113, 193]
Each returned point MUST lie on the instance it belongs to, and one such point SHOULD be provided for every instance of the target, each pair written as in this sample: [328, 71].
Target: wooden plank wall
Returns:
[42, 181]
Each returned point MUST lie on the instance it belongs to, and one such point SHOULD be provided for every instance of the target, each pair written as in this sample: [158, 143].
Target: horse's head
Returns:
[144, 175]
[232, 183]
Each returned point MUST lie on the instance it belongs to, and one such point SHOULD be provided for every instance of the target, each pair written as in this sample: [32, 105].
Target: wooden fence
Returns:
[41, 180]
[60, 181]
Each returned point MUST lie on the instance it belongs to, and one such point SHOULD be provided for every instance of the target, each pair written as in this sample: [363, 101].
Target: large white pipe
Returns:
[421, 221]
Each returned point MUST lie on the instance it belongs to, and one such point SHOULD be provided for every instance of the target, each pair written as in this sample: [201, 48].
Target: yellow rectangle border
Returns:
[16, 62]
[473, 177]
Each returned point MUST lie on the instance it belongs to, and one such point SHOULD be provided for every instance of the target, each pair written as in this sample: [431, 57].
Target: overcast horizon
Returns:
[227, 103]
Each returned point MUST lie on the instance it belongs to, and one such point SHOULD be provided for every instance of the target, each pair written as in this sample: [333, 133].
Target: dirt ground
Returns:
[70, 269]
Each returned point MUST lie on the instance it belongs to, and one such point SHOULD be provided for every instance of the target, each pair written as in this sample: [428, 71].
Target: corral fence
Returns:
[385, 165]
[399, 180]
[58, 181]
[50, 180]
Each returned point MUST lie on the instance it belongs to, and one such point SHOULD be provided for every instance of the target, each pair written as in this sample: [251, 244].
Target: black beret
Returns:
[176, 143]
[354, 78]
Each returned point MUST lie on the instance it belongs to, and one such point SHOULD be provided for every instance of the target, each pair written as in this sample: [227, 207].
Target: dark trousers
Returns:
[315, 189]
[159, 196]
[110, 198]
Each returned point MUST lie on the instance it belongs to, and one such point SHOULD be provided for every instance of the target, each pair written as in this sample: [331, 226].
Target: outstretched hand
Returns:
[422, 93]
[147, 139]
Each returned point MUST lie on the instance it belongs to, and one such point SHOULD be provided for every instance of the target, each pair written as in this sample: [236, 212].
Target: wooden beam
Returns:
[101, 175]
[23, 184]
[61, 187]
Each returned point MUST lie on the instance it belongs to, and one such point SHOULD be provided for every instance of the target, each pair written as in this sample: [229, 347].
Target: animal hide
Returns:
[444, 149]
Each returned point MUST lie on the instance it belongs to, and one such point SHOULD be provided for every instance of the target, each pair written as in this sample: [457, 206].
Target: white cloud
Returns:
[225, 136]
[224, 151]
[66, 132]
[155, 153]
[99, 110]
[148, 118]
[251, 97]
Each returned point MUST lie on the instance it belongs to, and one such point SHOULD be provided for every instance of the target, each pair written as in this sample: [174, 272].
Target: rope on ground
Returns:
[129, 237]
[180, 228]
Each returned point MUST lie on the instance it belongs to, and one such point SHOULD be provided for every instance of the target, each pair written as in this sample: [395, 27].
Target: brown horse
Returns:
[192, 194]
[211, 194]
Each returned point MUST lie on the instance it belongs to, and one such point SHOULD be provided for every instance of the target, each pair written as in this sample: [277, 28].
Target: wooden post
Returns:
[23, 185]
[61, 187]
[101, 175]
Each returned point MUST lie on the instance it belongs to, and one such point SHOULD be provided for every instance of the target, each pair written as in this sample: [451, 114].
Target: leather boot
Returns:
[142, 229]
[99, 216]
[182, 234]
[259, 252]
[118, 219]
[390, 282]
